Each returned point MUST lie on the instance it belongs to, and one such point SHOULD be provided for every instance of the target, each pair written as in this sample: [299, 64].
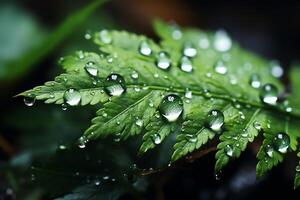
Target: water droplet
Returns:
[156, 75]
[115, 85]
[255, 81]
[156, 139]
[88, 35]
[97, 182]
[282, 142]
[298, 168]
[29, 100]
[276, 70]
[64, 106]
[72, 97]
[105, 37]
[186, 64]
[176, 33]
[242, 116]
[204, 42]
[218, 175]
[188, 94]
[233, 80]
[134, 75]
[62, 147]
[191, 138]
[189, 50]
[91, 69]
[139, 122]
[269, 94]
[288, 109]
[228, 150]
[269, 150]
[145, 49]
[215, 120]
[80, 54]
[163, 60]
[257, 125]
[220, 67]
[171, 107]
[82, 142]
[222, 42]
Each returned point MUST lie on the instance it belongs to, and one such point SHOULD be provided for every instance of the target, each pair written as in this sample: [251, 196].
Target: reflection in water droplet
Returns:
[222, 42]
[145, 49]
[269, 94]
[163, 60]
[91, 68]
[189, 50]
[228, 150]
[215, 120]
[282, 142]
[171, 107]
[105, 37]
[72, 97]
[29, 100]
[186, 64]
[255, 81]
[114, 85]
[220, 67]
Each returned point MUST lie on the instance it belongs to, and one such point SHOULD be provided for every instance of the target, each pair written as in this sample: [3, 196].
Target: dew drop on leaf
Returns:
[145, 49]
[115, 85]
[105, 37]
[222, 42]
[80, 55]
[282, 142]
[298, 168]
[171, 107]
[87, 35]
[269, 150]
[220, 67]
[29, 100]
[204, 42]
[276, 69]
[82, 142]
[269, 94]
[186, 64]
[188, 94]
[134, 75]
[176, 33]
[156, 139]
[215, 120]
[163, 60]
[228, 150]
[189, 50]
[72, 97]
[255, 81]
[91, 69]
[64, 106]
[139, 122]
[257, 125]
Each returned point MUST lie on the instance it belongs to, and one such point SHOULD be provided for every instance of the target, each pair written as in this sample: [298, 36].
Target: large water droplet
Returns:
[156, 139]
[29, 100]
[222, 42]
[215, 120]
[282, 142]
[115, 85]
[220, 67]
[189, 50]
[72, 97]
[145, 49]
[91, 68]
[228, 150]
[186, 64]
[163, 60]
[105, 37]
[255, 81]
[269, 94]
[171, 107]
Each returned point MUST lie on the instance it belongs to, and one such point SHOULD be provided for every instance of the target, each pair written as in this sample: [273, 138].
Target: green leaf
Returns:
[204, 87]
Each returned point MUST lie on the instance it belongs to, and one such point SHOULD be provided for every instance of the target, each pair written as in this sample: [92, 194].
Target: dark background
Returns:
[271, 29]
